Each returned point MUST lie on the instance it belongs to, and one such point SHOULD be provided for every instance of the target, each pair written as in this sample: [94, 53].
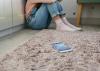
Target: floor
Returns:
[11, 42]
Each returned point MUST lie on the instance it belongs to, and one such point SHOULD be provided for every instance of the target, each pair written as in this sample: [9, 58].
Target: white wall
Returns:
[11, 16]
[90, 11]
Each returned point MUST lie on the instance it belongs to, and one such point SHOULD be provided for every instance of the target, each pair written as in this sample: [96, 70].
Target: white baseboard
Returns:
[11, 30]
[86, 21]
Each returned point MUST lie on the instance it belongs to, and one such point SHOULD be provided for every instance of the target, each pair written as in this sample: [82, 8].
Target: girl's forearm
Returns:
[35, 1]
[42, 1]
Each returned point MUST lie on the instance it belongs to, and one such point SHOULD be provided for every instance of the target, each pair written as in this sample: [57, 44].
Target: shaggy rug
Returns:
[37, 53]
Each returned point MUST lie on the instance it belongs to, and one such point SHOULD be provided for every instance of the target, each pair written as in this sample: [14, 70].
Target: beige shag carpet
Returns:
[37, 53]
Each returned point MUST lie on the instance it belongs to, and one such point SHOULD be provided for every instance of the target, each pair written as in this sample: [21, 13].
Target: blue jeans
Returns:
[41, 17]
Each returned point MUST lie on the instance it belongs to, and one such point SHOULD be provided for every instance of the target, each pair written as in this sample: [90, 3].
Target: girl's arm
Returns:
[42, 1]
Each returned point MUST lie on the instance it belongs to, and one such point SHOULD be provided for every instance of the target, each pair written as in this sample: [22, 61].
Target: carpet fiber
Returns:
[37, 53]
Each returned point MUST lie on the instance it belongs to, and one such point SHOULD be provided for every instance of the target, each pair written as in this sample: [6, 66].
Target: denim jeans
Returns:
[41, 17]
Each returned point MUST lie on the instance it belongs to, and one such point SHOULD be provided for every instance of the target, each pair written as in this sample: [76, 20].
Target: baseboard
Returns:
[11, 30]
[86, 21]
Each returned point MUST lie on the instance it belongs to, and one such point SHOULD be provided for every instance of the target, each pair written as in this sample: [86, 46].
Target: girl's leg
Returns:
[64, 18]
[56, 11]
[40, 19]
[69, 24]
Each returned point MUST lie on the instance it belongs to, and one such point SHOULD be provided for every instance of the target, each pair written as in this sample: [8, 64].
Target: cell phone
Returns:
[61, 47]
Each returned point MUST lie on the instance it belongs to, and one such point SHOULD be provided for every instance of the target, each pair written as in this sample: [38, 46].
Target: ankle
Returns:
[57, 19]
